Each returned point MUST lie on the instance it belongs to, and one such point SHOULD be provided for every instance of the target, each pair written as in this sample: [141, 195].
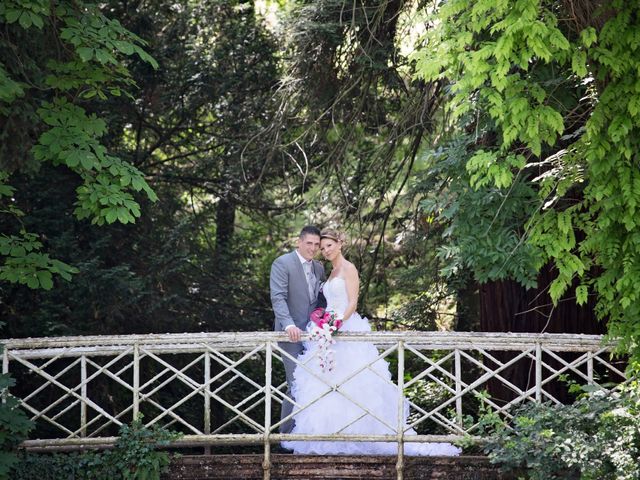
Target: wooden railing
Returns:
[226, 388]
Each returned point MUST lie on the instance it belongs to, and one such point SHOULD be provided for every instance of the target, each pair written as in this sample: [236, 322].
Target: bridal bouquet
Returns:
[325, 323]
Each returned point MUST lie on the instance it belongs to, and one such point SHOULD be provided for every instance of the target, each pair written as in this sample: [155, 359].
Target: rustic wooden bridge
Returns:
[224, 390]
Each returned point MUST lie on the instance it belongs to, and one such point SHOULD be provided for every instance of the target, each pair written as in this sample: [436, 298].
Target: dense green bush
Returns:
[134, 457]
[595, 438]
[14, 426]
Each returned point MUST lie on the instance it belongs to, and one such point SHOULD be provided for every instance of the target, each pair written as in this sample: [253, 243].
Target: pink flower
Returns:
[325, 324]
[317, 316]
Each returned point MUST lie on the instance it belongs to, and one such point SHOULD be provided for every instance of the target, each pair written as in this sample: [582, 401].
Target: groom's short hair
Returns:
[309, 230]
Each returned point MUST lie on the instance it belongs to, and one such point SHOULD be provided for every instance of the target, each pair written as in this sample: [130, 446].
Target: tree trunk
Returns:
[506, 306]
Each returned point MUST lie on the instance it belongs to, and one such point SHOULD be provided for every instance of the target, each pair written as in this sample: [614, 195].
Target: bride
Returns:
[340, 411]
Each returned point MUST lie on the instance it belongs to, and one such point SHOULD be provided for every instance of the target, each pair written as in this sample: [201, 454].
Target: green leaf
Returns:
[32, 281]
[103, 56]
[588, 36]
[124, 216]
[557, 289]
[37, 20]
[44, 277]
[581, 295]
[85, 53]
[125, 47]
[112, 215]
[25, 20]
[578, 63]
[13, 15]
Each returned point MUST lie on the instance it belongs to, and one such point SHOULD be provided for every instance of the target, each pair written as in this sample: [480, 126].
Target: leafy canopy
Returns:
[56, 57]
[491, 53]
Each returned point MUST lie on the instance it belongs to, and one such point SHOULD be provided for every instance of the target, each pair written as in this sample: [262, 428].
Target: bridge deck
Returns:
[210, 467]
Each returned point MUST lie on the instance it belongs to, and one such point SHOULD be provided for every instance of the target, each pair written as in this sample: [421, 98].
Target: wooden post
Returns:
[458, 375]
[207, 398]
[538, 372]
[83, 394]
[136, 380]
[266, 464]
[400, 432]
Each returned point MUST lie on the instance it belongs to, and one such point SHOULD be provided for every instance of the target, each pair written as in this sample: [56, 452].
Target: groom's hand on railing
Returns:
[294, 333]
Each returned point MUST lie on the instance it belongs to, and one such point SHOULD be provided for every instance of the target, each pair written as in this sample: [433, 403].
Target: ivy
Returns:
[135, 456]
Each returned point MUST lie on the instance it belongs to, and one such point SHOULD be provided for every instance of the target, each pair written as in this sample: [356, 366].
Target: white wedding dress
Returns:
[335, 412]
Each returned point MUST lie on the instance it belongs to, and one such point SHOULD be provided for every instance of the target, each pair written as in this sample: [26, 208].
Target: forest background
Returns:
[481, 156]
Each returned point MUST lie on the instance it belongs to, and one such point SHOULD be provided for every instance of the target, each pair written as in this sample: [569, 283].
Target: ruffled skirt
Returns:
[338, 401]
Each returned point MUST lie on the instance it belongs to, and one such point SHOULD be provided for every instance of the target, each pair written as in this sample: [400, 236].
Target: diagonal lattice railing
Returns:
[227, 388]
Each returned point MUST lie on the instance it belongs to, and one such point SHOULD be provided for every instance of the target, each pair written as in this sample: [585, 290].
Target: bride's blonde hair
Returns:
[333, 234]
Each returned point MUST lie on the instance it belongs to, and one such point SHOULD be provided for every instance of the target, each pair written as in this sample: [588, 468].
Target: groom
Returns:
[294, 282]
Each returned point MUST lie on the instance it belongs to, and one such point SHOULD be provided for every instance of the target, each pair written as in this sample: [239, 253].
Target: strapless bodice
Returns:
[335, 291]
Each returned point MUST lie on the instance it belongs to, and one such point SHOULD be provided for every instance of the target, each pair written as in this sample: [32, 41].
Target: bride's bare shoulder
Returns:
[350, 269]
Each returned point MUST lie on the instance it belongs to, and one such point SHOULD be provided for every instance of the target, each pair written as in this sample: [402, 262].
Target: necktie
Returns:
[311, 279]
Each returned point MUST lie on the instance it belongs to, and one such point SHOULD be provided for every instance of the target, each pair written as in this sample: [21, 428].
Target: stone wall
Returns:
[210, 467]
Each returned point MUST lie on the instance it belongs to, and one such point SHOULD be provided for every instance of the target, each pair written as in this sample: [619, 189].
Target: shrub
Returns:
[14, 426]
[134, 457]
[595, 438]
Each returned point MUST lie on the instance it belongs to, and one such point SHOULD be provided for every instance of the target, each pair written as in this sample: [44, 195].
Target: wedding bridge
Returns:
[223, 391]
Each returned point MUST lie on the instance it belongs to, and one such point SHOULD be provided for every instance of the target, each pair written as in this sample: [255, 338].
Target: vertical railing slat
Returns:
[266, 465]
[136, 380]
[207, 398]
[5, 369]
[458, 375]
[400, 432]
[538, 372]
[83, 395]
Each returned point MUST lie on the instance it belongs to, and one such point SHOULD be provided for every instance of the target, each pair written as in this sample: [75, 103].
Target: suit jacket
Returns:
[290, 298]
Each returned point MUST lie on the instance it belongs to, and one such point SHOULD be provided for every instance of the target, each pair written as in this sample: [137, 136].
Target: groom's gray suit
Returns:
[292, 305]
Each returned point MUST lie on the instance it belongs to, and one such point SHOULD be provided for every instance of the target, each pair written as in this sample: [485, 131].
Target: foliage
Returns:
[427, 395]
[231, 195]
[353, 119]
[188, 126]
[56, 57]
[134, 457]
[14, 426]
[596, 438]
[24, 262]
[560, 86]
[484, 226]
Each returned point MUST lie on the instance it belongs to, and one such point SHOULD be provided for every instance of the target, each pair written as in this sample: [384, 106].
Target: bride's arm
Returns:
[353, 286]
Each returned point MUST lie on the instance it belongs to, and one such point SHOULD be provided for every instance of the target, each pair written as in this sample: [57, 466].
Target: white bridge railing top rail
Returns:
[227, 388]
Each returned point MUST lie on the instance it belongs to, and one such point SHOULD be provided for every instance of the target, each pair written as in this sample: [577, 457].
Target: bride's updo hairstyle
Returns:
[333, 234]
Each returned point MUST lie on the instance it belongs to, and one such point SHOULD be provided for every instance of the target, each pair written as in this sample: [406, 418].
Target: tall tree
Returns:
[353, 120]
[553, 79]
[199, 259]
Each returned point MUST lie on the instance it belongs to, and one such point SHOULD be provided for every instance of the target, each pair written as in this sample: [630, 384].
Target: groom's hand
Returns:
[294, 334]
